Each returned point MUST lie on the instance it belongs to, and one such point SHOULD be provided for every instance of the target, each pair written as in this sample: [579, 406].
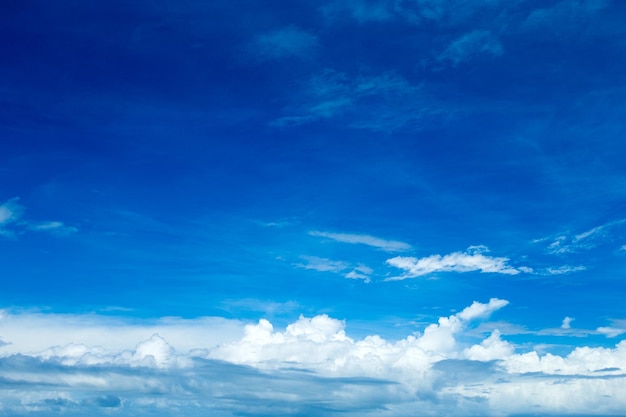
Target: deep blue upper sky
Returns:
[217, 158]
[312, 208]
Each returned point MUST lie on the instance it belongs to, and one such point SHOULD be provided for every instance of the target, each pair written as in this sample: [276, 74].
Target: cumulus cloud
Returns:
[382, 244]
[471, 260]
[13, 223]
[311, 367]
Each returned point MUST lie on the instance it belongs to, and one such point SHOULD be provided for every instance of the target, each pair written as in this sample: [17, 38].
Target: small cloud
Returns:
[586, 240]
[338, 267]
[360, 272]
[10, 211]
[567, 323]
[13, 223]
[481, 310]
[322, 264]
[565, 269]
[53, 227]
[470, 45]
[610, 331]
[471, 260]
[385, 245]
[617, 328]
[286, 42]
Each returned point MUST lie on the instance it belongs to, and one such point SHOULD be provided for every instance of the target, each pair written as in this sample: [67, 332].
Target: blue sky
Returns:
[212, 197]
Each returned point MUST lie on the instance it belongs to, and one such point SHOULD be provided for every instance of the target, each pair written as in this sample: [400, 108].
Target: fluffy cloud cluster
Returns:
[313, 367]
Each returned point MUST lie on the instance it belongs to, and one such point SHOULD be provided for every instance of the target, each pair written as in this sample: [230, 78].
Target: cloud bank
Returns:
[312, 367]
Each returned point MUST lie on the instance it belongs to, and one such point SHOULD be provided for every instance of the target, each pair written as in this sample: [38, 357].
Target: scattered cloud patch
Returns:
[13, 223]
[360, 272]
[383, 102]
[385, 245]
[471, 260]
[346, 269]
[565, 15]
[565, 269]
[586, 240]
[471, 45]
[287, 42]
[567, 323]
[617, 328]
[322, 264]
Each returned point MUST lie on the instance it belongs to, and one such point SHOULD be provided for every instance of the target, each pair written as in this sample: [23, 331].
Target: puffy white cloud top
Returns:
[310, 367]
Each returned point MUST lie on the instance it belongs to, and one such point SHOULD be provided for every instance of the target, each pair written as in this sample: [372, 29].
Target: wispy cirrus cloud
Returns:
[474, 259]
[13, 223]
[360, 102]
[347, 269]
[589, 239]
[471, 45]
[286, 42]
[368, 240]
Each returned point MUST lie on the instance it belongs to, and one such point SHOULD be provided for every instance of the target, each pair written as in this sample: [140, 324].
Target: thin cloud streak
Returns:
[385, 245]
[311, 363]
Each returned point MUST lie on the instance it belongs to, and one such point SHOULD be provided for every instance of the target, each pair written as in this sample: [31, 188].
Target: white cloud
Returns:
[611, 331]
[385, 245]
[311, 367]
[471, 260]
[360, 272]
[322, 264]
[13, 223]
[29, 332]
[565, 269]
[10, 211]
[470, 45]
[564, 16]
[567, 323]
[315, 263]
[54, 227]
[586, 240]
[480, 310]
[618, 327]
